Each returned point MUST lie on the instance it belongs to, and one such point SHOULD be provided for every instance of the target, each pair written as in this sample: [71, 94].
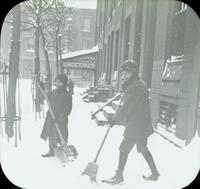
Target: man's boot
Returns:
[118, 177]
[154, 172]
[52, 145]
[48, 154]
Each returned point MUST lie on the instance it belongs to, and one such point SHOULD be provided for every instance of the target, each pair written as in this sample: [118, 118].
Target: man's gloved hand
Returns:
[111, 121]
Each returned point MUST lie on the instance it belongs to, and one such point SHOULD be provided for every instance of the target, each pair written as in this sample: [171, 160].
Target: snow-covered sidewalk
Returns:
[25, 167]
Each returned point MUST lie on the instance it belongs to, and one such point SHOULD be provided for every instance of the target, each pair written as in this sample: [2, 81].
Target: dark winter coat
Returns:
[71, 87]
[135, 110]
[61, 104]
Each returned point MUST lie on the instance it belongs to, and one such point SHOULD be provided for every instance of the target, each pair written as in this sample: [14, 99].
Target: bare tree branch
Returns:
[28, 29]
[29, 23]
[29, 7]
[34, 4]
[27, 14]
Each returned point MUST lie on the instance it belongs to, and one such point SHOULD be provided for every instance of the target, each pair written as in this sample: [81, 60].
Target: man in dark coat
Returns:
[61, 104]
[135, 115]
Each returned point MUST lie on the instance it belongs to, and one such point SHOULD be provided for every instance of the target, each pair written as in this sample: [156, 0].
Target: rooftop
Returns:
[79, 53]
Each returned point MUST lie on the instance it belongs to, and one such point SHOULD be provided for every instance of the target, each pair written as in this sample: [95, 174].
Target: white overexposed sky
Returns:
[90, 4]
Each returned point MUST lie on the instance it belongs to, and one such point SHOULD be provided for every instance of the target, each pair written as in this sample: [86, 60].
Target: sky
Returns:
[91, 4]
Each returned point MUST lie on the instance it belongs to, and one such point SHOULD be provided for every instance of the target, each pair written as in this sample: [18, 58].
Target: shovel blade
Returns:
[91, 171]
[61, 154]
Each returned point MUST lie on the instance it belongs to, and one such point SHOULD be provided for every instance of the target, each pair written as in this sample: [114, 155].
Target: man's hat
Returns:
[62, 78]
[130, 66]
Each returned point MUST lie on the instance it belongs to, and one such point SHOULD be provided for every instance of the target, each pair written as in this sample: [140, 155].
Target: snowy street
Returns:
[25, 167]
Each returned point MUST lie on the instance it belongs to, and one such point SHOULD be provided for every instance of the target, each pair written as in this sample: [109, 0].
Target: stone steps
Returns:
[100, 119]
[115, 104]
[108, 111]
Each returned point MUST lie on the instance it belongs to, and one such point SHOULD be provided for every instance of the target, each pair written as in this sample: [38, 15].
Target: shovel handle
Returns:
[109, 127]
[102, 143]
[52, 114]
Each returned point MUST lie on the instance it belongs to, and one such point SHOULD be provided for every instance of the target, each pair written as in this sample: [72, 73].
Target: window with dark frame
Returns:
[86, 44]
[30, 44]
[87, 25]
[105, 12]
[116, 49]
[127, 38]
[177, 32]
[110, 59]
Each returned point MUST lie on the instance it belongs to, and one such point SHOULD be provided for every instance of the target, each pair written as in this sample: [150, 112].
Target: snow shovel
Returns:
[92, 167]
[62, 152]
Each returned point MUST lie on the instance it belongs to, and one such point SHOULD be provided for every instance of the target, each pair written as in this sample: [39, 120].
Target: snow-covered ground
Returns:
[25, 167]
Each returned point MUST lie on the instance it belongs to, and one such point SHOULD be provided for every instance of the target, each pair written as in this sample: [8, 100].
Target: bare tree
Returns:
[56, 28]
[35, 11]
[48, 70]
[13, 72]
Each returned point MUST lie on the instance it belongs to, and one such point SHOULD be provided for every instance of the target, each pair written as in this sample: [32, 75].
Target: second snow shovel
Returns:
[62, 151]
[92, 167]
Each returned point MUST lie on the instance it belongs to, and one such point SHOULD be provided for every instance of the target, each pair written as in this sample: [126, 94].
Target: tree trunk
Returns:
[37, 59]
[13, 72]
[48, 70]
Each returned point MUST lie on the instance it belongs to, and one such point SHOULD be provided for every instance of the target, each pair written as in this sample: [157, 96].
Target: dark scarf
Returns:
[130, 81]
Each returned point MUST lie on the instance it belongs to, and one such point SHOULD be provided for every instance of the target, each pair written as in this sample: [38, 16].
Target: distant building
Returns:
[80, 66]
[83, 28]
[82, 37]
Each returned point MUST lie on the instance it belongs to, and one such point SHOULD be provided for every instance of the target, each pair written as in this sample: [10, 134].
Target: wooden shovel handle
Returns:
[102, 143]
[109, 127]
[52, 114]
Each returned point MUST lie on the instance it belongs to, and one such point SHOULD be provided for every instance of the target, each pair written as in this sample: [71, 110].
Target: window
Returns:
[177, 32]
[50, 49]
[127, 38]
[110, 5]
[30, 44]
[86, 44]
[108, 59]
[111, 57]
[87, 25]
[138, 30]
[105, 13]
[116, 49]
[100, 15]
[168, 116]
[104, 55]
